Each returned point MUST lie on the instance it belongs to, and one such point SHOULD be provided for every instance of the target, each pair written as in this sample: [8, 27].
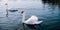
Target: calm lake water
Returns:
[48, 13]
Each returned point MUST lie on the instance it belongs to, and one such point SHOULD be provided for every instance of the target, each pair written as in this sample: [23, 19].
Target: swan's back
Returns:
[33, 18]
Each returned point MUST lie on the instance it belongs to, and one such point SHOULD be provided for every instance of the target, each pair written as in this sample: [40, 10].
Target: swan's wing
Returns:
[33, 20]
[29, 22]
[38, 22]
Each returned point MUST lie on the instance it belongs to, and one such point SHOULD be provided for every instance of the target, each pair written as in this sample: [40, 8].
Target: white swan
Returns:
[32, 20]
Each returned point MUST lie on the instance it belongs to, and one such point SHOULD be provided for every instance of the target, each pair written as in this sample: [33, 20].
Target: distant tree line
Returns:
[52, 1]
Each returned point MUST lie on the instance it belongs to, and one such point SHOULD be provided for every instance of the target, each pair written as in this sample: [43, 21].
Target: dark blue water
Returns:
[48, 13]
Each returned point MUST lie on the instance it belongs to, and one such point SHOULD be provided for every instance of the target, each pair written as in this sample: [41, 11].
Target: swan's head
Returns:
[22, 12]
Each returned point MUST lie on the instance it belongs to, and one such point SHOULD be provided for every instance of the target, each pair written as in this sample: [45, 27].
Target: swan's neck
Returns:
[23, 18]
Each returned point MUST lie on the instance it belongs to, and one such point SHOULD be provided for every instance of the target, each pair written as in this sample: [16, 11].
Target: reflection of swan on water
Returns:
[32, 21]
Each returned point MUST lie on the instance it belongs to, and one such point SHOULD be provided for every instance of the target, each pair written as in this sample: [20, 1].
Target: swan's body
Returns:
[32, 20]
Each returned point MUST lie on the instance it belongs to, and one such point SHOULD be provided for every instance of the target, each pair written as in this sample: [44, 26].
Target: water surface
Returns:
[48, 13]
